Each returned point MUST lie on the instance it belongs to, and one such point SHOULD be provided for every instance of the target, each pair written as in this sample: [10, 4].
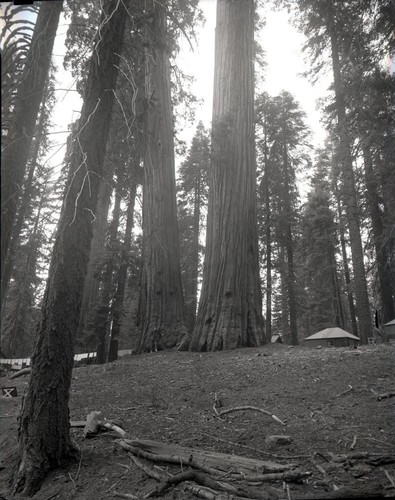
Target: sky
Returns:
[283, 47]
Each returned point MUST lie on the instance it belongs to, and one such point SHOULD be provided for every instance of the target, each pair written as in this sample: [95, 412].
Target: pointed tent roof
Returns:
[331, 333]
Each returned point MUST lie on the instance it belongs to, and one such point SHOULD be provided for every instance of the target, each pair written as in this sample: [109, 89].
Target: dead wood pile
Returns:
[219, 476]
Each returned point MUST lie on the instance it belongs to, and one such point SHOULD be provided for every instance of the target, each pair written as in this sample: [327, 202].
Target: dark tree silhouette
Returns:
[26, 107]
[44, 435]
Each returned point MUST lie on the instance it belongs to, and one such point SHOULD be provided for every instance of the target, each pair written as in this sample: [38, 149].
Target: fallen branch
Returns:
[206, 493]
[318, 467]
[206, 482]
[147, 470]
[128, 496]
[386, 395]
[24, 371]
[390, 478]
[198, 477]
[354, 442]
[356, 455]
[345, 392]
[381, 460]
[253, 408]
[292, 476]
[95, 421]
[112, 427]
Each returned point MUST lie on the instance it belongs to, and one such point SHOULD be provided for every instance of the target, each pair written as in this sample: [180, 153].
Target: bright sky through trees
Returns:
[284, 67]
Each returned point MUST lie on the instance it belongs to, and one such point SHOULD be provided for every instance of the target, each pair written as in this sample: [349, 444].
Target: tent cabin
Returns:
[332, 337]
[389, 329]
[276, 339]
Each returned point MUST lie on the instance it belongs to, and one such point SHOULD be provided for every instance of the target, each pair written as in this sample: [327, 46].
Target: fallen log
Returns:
[24, 371]
[206, 481]
[292, 476]
[221, 462]
[200, 478]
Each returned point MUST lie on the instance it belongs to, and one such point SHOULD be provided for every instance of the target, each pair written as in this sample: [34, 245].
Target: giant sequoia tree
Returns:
[161, 300]
[230, 308]
[44, 437]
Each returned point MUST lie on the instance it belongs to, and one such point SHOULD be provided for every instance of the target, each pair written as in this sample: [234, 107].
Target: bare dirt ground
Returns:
[326, 397]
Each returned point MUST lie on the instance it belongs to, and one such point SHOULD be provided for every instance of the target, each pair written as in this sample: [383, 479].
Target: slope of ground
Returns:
[326, 397]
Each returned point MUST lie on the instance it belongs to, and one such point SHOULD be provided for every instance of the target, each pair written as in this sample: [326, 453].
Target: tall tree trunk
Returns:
[268, 232]
[122, 277]
[382, 258]
[386, 160]
[161, 301]
[284, 295]
[44, 428]
[27, 103]
[12, 341]
[289, 251]
[92, 281]
[350, 197]
[102, 313]
[191, 285]
[230, 308]
[347, 277]
[336, 294]
[25, 201]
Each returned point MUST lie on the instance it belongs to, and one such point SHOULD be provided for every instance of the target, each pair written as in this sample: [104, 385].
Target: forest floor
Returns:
[339, 431]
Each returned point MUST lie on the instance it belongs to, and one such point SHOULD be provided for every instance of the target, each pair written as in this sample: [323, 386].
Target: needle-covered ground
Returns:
[327, 399]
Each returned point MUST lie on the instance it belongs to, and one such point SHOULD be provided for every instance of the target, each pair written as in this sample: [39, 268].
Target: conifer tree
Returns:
[318, 254]
[230, 307]
[282, 149]
[161, 301]
[44, 432]
[192, 195]
[331, 27]
[29, 95]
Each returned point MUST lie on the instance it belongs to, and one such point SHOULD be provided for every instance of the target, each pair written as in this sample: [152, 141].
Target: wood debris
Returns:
[253, 408]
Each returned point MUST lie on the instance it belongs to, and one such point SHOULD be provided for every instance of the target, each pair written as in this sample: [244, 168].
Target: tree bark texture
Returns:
[161, 299]
[382, 257]
[230, 308]
[27, 103]
[44, 437]
[269, 280]
[350, 198]
[92, 281]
